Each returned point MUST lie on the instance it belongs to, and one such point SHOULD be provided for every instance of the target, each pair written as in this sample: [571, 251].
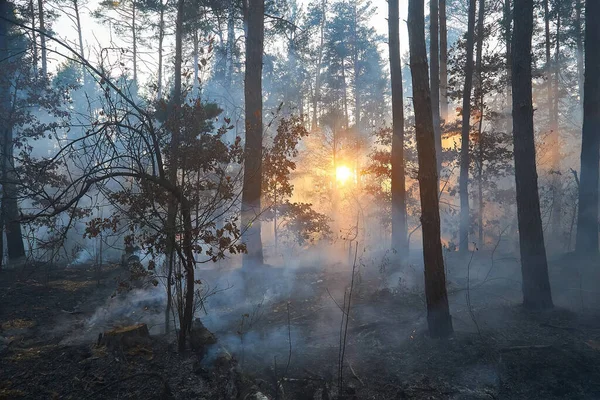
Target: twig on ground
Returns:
[468, 295]
[566, 328]
[531, 347]
[343, 338]
[354, 373]
[289, 339]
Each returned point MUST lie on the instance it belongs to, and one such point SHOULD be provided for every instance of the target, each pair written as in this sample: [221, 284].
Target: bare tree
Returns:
[438, 313]
[534, 267]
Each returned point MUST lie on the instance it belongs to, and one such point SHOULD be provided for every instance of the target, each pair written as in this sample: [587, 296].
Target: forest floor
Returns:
[288, 335]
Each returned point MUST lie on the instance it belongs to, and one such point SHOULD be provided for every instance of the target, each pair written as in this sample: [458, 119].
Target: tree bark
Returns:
[357, 94]
[399, 225]
[438, 313]
[171, 227]
[251, 191]
[434, 77]
[534, 267]
[443, 62]
[480, 107]
[134, 39]
[34, 38]
[508, 38]
[80, 37]
[161, 38]
[317, 93]
[230, 45]
[466, 128]
[555, 155]
[579, 43]
[43, 38]
[10, 208]
[587, 218]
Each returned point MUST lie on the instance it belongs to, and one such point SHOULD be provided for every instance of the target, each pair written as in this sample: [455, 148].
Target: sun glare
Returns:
[343, 174]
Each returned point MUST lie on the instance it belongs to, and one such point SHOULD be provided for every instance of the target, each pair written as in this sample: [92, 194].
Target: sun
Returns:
[343, 174]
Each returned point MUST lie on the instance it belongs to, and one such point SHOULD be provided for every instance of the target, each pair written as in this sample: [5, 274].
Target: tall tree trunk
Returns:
[195, 82]
[463, 231]
[587, 218]
[480, 106]
[134, 39]
[399, 225]
[251, 191]
[443, 62]
[507, 11]
[161, 37]
[345, 94]
[438, 313]
[317, 92]
[9, 205]
[34, 38]
[434, 76]
[357, 94]
[171, 227]
[555, 155]
[579, 42]
[80, 37]
[230, 45]
[43, 38]
[534, 267]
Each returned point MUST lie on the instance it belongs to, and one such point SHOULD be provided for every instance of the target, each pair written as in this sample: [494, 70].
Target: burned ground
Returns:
[288, 336]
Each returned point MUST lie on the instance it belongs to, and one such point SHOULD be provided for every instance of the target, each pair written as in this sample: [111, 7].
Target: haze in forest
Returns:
[247, 197]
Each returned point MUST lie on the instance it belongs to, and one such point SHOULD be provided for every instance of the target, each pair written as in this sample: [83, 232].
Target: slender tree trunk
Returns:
[480, 107]
[536, 285]
[161, 37]
[230, 45]
[189, 265]
[579, 42]
[443, 62]
[251, 191]
[508, 39]
[195, 83]
[317, 93]
[555, 155]
[43, 38]
[345, 94]
[357, 89]
[399, 225]
[466, 128]
[587, 218]
[134, 39]
[434, 76]
[34, 38]
[80, 37]
[438, 313]
[171, 227]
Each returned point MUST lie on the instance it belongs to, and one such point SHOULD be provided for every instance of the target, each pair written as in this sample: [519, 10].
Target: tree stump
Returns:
[126, 337]
[201, 338]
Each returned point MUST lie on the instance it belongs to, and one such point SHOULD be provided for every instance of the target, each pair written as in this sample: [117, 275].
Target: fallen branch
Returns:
[354, 373]
[566, 328]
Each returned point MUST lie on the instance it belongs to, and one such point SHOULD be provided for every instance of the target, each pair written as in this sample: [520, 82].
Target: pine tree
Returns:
[438, 313]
